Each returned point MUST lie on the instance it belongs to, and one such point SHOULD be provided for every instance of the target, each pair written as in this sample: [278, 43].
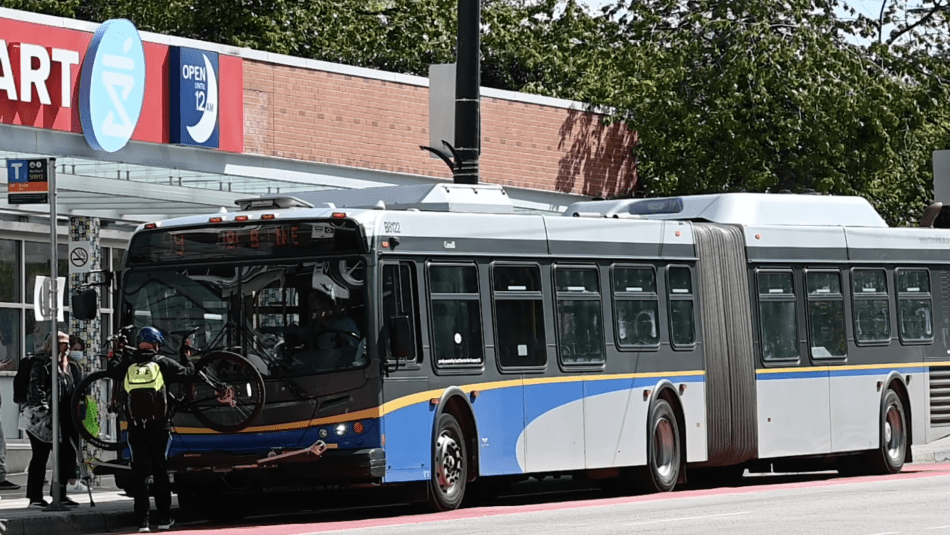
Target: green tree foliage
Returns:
[725, 95]
[748, 95]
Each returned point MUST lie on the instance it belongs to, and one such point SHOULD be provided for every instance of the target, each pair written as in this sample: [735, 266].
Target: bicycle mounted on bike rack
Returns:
[226, 394]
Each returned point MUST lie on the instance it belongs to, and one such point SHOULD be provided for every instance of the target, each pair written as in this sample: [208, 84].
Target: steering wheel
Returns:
[337, 344]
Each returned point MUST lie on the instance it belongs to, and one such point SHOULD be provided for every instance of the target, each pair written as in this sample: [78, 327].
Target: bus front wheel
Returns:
[663, 450]
[449, 465]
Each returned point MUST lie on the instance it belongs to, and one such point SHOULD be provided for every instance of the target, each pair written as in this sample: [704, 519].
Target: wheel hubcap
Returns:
[893, 434]
[664, 448]
[449, 464]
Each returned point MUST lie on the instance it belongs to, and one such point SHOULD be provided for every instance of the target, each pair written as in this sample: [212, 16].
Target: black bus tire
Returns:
[449, 465]
[888, 458]
[663, 450]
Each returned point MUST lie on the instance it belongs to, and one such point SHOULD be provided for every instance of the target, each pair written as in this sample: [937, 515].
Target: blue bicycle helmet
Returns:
[150, 335]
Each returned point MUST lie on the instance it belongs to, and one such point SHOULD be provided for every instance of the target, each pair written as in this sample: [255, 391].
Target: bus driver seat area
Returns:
[329, 337]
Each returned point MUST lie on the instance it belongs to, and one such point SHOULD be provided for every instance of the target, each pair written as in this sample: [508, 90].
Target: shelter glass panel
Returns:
[37, 263]
[10, 347]
[10, 271]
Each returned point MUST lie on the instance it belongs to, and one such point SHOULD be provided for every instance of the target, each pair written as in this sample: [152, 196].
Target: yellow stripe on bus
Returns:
[422, 397]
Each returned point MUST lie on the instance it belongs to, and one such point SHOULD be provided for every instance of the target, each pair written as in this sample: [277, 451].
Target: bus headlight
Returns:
[323, 432]
[341, 430]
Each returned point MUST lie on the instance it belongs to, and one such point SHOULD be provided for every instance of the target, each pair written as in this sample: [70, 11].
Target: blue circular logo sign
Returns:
[112, 85]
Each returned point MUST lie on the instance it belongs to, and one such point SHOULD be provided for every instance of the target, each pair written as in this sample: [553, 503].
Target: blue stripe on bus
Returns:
[807, 373]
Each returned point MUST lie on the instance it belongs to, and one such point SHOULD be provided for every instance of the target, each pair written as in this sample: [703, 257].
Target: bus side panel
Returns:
[615, 423]
[408, 442]
[616, 414]
[856, 407]
[693, 399]
[793, 409]
[500, 416]
[553, 437]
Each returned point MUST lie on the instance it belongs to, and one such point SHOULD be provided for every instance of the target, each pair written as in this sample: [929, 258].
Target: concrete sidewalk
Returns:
[112, 512]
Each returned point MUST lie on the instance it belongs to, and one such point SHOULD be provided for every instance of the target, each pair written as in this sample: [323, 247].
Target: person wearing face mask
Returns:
[77, 349]
[37, 416]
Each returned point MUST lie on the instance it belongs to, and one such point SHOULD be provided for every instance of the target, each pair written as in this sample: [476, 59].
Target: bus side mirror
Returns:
[85, 305]
[402, 340]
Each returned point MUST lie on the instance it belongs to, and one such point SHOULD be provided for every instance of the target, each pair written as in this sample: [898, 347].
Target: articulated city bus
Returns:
[429, 337]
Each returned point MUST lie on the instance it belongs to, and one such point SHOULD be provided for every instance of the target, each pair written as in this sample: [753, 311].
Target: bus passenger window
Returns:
[915, 306]
[682, 329]
[778, 320]
[519, 316]
[400, 313]
[580, 331]
[826, 314]
[636, 306]
[872, 319]
[456, 315]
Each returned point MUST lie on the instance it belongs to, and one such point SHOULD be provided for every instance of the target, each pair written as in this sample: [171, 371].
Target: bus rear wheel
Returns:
[663, 450]
[449, 465]
[889, 457]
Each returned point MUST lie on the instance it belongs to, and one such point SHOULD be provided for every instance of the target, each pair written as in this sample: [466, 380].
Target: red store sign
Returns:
[39, 84]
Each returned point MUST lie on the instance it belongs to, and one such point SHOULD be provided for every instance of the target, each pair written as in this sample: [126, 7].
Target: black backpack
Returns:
[21, 381]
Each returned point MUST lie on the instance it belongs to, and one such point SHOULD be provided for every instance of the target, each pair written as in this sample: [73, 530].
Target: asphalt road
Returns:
[914, 501]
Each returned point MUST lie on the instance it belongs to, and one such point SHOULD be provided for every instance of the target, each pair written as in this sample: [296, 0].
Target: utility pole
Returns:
[467, 92]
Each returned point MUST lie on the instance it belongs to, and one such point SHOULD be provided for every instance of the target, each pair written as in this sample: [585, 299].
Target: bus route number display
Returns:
[235, 242]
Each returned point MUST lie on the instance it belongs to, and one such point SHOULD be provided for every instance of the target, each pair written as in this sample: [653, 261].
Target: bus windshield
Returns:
[288, 318]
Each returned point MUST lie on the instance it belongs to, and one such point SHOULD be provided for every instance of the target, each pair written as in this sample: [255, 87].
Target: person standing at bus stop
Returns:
[149, 437]
[37, 415]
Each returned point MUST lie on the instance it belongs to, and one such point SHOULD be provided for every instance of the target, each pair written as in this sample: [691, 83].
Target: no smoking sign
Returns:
[80, 261]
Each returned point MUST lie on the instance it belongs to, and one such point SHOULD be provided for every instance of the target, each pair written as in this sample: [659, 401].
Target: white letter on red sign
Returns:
[66, 59]
[7, 82]
[30, 77]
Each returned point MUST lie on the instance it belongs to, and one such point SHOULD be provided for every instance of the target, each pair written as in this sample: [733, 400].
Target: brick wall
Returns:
[333, 118]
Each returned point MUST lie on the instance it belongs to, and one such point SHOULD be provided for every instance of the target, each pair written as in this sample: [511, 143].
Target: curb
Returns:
[72, 523]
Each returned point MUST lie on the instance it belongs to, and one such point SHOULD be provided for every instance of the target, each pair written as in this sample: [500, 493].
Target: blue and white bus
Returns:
[639, 339]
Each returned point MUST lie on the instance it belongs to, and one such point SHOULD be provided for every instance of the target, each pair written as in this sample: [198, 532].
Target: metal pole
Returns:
[56, 485]
[467, 92]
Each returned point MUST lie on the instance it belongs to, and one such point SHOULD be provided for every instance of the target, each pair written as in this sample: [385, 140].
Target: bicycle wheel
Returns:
[228, 392]
[96, 411]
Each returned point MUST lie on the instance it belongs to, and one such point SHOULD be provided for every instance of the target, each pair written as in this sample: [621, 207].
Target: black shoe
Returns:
[143, 526]
[166, 523]
[38, 504]
[6, 484]
[70, 503]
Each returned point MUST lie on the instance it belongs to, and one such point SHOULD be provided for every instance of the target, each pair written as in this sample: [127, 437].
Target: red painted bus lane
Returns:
[909, 472]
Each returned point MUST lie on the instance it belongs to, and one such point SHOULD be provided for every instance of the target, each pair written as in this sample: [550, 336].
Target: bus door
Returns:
[794, 393]
[406, 422]
[553, 416]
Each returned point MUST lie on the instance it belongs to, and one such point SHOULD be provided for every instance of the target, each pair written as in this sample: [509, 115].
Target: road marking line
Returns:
[686, 518]
[940, 527]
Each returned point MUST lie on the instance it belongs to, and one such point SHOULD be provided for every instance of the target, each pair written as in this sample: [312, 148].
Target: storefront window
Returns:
[37, 263]
[10, 335]
[9, 271]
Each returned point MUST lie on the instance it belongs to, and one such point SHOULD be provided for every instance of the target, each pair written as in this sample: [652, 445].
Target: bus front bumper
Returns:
[304, 467]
